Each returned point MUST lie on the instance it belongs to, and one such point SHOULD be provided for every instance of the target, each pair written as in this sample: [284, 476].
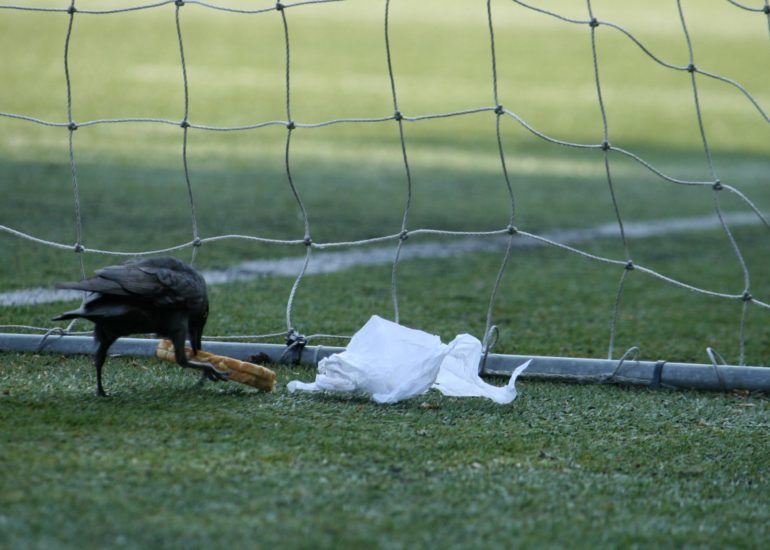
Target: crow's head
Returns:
[196, 323]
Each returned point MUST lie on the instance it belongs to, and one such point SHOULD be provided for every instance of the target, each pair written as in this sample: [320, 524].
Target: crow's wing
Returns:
[183, 285]
[163, 283]
[96, 284]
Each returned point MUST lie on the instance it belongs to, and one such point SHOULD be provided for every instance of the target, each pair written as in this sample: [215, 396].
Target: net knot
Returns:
[512, 229]
[197, 242]
[630, 352]
[184, 124]
[691, 68]
[490, 339]
[72, 126]
[499, 110]
[766, 10]
[58, 331]
[404, 235]
[606, 145]
[291, 125]
[179, 3]
[629, 266]
[279, 6]
[79, 248]
[398, 116]
[656, 382]
[294, 338]
[72, 10]
[717, 186]
[593, 22]
[747, 297]
[307, 241]
[295, 344]
[716, 360]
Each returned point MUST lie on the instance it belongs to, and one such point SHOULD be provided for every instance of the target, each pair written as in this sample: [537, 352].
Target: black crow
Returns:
[156, 295]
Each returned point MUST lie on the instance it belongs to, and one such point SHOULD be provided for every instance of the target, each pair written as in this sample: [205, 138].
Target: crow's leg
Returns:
[105, 340]
[207, 369]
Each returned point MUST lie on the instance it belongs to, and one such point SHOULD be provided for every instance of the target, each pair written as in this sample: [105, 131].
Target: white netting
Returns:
[593, 24]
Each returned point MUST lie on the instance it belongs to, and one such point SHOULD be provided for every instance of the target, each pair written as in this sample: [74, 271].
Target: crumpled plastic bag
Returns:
[381, 361]
[459, 373]
[390, 363]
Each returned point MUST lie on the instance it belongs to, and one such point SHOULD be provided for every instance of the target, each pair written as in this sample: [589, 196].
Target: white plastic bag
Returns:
[459, 373]
[386, 361]
[390, 362]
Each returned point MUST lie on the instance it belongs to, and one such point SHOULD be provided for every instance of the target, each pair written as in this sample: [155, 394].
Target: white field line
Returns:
[332, 262]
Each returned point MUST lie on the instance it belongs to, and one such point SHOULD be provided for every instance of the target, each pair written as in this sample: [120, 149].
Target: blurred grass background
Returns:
[565, 459]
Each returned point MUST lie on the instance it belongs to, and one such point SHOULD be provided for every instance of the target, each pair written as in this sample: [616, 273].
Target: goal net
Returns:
[558, 178]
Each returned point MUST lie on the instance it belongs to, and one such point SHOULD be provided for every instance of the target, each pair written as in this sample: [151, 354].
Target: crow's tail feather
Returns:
[74, 314]
[75, 285]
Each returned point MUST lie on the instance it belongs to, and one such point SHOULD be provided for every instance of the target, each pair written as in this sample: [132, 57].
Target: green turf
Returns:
[163, 464]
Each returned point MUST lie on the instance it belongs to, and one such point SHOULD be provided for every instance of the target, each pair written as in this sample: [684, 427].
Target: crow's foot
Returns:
[216, 375]
[208, 371]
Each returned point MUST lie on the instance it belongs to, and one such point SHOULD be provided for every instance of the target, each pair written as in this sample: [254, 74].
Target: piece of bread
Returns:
[239, 371]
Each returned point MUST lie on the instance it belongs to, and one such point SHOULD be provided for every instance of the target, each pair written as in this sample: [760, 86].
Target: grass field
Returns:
[165, 464]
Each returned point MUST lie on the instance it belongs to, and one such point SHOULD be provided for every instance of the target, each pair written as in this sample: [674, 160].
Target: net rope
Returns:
[502, 115]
